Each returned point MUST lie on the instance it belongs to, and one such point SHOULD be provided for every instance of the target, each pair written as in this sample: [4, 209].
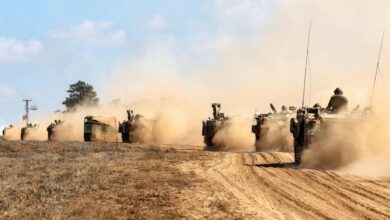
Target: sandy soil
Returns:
[131, 181]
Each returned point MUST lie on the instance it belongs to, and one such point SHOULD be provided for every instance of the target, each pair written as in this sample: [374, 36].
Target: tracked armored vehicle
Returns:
[211, 126]
[317, 125]
[127, 128]
[51, 129]
[269, 129]
[26, 130]
[100, 128]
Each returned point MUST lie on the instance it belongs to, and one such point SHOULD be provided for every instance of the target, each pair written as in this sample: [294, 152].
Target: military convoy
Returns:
[211, 126]
[127, 128]
[307, 125]
[266, 125]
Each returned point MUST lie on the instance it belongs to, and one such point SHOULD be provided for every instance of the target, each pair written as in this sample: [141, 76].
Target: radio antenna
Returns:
[377, 69]
[307, 58]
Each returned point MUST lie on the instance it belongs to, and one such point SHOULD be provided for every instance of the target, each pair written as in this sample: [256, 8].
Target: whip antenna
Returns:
[307, 57]
[377, 68]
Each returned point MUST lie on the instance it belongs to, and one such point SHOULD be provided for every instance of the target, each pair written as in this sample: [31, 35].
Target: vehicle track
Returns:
[267, 186]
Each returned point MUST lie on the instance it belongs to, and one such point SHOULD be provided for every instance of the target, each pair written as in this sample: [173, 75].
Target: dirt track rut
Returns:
[266, 185]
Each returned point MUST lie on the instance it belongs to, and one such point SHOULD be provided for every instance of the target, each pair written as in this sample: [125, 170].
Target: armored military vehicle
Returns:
[268, 128]
[316, 125]
[212, 125]
[127, 128]
[51, 129]
[26, 130]
[100, 128]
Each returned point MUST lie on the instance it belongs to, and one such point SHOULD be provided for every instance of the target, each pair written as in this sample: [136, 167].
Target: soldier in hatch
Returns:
[338, 102]
[284, 110]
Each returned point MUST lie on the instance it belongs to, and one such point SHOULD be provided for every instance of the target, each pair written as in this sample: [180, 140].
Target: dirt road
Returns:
[265, 185]
[101, 180]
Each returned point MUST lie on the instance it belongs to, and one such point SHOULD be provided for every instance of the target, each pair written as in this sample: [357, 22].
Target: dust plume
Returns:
[235, 135]
[38, 133]
[14, 133]
[168, 121]
[275, 136]
[246, 70]
[337, 145]
[358, 148]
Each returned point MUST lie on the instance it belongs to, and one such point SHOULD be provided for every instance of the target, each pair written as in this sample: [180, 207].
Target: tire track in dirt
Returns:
[285, 192]
[362, 204]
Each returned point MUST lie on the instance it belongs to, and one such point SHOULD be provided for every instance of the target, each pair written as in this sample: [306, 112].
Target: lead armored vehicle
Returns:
[272, 129]
[127, 128]
[100, 128]
[211, 126]
[317, 125]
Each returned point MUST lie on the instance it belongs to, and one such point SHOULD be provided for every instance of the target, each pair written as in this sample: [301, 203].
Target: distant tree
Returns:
[80, 93]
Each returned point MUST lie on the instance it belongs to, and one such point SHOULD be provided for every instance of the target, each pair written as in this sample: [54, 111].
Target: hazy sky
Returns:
[46, 46]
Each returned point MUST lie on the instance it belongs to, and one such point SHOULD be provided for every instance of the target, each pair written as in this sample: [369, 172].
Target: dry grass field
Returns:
[75, 180]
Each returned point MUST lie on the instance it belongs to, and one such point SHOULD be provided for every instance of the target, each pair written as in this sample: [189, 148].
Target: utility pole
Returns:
[28, 108]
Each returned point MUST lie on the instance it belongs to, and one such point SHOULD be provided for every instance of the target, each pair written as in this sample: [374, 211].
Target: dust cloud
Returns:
[13, 133]
[357, 148]
[275, 136]
[173, 87]
[235, 135]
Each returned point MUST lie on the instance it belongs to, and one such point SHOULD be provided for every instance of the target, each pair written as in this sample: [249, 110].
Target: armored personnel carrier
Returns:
[269, 128]
[316, 125]
[100, 128]
[26, 130]
[127, 128]
[51, 129]
[211, 126]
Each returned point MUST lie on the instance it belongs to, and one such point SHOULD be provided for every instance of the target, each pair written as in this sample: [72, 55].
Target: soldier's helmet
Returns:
[338, 91]
[317, 105]
[284, 108]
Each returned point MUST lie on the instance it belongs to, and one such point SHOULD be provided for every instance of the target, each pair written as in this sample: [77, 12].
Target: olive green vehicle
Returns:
[26, 130]
[127, 128]
[264, 122]
[52, 131]
[211, 126]
[100, 128]
[317, 125]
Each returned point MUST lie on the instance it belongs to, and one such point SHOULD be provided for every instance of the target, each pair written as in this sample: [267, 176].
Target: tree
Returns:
[80, 93]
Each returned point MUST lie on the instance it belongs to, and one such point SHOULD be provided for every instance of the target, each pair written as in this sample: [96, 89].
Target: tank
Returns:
[211, 126]
[100, 128]
[268, 128]
[51, 129]
[127, 128]
[315, 125]
[25, 130]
